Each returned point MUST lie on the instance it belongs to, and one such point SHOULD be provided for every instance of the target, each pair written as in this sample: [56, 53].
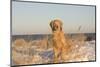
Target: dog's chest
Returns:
[58, 39]
[58, 36]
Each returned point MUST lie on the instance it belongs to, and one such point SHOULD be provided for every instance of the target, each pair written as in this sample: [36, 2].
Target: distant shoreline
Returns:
[50, 34]
[90, 36]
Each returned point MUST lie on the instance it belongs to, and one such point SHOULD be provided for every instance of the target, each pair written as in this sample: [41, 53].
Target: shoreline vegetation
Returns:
[32, 49]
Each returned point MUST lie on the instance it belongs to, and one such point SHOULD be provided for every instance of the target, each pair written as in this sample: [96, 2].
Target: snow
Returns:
[31, 54]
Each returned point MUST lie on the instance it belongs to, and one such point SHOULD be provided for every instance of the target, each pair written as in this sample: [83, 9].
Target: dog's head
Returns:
[56, 25]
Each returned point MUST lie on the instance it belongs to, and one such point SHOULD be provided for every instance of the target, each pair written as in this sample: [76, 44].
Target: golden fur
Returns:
[60, 46]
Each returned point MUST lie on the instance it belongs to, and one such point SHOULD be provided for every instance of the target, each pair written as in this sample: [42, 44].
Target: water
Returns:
[90, 36]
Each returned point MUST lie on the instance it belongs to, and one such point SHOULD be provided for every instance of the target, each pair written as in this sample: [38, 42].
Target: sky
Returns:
[34, 18]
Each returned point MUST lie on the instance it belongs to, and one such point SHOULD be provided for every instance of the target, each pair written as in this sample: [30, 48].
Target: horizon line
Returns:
[51, 33]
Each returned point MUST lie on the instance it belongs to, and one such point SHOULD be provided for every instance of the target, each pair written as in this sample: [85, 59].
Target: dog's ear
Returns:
[51, 24]
[61, 26]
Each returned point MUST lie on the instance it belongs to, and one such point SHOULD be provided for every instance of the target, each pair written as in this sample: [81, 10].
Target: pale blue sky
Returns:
[34, 18]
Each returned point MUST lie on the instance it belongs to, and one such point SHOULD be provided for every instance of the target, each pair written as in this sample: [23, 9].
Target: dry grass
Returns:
[24, 52]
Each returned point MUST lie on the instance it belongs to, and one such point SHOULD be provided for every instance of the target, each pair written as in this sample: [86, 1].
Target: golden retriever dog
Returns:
[60, 46]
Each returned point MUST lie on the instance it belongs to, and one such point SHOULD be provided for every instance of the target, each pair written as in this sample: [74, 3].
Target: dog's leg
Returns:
[65, 49]
[56, 55]
[63, 54]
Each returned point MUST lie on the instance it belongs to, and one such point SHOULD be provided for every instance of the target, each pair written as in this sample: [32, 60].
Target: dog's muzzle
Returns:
[55, 28]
